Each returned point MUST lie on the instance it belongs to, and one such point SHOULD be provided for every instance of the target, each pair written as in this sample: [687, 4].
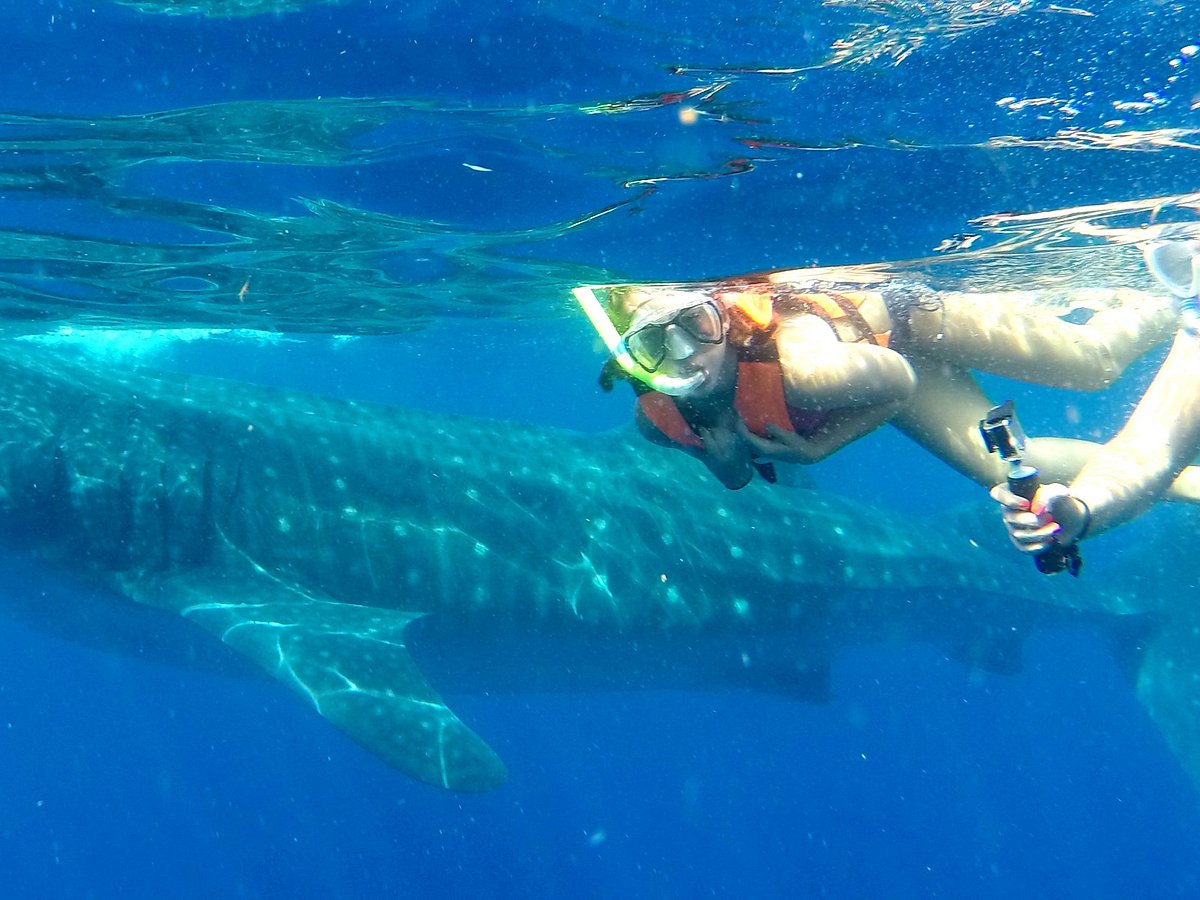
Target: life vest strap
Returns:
[760, 399]
[664, 414]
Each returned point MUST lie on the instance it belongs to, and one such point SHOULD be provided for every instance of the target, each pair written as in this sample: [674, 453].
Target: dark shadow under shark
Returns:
[310, 534]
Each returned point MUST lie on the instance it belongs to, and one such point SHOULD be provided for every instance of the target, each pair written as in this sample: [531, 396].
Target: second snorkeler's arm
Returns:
[943, 417]
[1149, 456]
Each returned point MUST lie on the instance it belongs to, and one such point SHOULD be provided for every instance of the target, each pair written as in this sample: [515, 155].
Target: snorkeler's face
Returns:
[682, 336]
[676, 334]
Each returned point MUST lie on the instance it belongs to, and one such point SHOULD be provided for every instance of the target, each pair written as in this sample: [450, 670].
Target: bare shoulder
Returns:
[874, 310]
[804, 328]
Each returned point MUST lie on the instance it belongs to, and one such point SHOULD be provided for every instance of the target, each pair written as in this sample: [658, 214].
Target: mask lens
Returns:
[1173, 263]
[648, 346]
[703, 322]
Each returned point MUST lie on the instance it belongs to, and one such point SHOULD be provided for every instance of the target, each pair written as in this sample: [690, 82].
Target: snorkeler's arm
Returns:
[1149, 454]
[822, 372]
[943, 417]
[841, 427]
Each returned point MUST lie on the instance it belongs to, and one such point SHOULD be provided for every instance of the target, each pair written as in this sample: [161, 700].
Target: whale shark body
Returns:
[344, 548]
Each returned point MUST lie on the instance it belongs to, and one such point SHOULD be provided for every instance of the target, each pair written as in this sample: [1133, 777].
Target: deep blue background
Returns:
[122, 776]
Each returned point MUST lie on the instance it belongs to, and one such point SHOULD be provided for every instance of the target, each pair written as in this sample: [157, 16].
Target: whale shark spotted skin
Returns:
[309, 533]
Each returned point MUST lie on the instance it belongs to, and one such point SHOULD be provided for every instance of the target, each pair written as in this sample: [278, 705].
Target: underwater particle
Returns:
[475, 168]
[597, 837]
[688, 115]
[1190, 50]
[1074, 417]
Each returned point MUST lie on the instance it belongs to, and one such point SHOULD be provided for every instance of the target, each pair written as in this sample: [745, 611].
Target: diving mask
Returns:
[671, 334]
[648, 341]
[1175, 264]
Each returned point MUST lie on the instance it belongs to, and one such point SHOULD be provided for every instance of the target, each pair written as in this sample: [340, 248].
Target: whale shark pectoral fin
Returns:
[352, 663]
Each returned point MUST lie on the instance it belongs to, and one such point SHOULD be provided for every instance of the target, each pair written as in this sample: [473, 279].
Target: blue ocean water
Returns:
[136, 775]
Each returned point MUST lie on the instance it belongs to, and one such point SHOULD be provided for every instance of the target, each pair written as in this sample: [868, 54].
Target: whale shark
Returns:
[348, 549]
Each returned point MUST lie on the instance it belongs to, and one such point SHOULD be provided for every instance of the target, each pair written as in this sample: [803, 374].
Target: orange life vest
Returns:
[759, 396]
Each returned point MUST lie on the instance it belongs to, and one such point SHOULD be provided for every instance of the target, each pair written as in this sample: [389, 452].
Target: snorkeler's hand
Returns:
[778, 444]
[728, 456]
[1054, 517]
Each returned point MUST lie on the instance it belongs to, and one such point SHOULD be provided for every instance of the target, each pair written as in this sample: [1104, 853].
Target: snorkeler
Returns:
[787, 367]
[1161, 438]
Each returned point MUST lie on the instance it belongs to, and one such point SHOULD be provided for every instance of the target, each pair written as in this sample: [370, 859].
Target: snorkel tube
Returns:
[665, 384]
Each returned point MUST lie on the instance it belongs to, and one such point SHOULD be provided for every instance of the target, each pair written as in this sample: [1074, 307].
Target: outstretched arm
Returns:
[1148, 457]
[944, 415]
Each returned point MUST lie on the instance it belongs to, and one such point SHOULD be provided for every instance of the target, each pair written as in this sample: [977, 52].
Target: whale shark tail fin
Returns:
[351, 662]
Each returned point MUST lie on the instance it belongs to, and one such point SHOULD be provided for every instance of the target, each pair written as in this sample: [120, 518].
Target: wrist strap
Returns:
[1087, 520]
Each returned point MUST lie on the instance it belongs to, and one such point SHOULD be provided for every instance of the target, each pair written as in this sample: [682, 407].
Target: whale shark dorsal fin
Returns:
[351, 662]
